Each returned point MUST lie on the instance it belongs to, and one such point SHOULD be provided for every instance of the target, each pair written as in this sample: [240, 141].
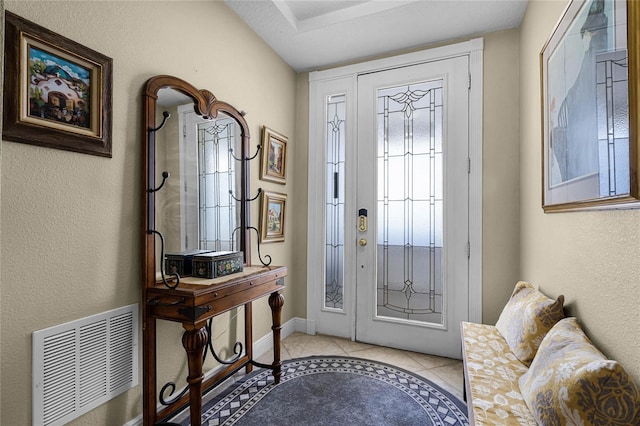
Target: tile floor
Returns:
[445, 372]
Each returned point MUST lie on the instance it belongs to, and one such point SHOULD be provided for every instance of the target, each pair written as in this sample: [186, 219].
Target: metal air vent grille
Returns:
[84, 363]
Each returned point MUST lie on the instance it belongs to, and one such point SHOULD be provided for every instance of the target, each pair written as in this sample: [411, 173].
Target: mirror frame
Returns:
[206, 105]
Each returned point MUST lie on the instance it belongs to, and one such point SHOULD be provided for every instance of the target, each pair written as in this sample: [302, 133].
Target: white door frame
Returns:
[344, 80]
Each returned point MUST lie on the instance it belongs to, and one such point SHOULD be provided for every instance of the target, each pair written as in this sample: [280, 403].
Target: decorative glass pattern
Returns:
[335, 185]
[216, 167]
[410, 194]
[612, 103]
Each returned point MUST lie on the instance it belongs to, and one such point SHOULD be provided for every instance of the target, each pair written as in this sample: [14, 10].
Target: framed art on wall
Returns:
[272, 215]
[274, 156]
[57, 93]
[590, 107]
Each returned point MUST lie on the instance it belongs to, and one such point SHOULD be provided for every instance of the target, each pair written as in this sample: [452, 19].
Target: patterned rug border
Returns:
[242, 395]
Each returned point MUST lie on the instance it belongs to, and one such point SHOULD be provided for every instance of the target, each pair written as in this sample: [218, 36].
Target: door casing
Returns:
[344, 80]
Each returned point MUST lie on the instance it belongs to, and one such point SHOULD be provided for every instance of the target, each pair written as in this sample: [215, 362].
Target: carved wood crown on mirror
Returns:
[210, 140]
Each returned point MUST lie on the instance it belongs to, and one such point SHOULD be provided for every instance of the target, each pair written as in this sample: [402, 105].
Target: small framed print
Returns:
[272, 215]
[57, 93]
[274, 156]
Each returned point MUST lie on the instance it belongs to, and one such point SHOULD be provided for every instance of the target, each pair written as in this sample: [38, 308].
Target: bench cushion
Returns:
[571, 382]
[527, 318]
[492, 378]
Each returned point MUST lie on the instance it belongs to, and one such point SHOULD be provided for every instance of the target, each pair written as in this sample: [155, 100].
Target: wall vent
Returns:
[82, 364]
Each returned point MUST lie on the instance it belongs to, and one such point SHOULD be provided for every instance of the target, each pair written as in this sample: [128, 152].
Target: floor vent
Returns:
[82, 364]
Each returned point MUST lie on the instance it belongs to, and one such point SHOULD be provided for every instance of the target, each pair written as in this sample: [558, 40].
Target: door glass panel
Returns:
[216, 167]
[335, 185]
[410, 203]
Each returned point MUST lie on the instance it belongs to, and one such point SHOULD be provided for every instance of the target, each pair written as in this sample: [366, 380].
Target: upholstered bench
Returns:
[535, 367]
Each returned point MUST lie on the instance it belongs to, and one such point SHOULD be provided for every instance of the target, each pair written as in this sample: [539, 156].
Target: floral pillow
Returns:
[570, 382]
[527, 318]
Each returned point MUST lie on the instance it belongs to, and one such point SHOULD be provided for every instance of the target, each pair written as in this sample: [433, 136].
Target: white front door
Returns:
[412, 264]
[391, 140]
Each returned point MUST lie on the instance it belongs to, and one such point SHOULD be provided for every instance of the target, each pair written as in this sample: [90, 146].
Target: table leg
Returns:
[248, 335]
[194, 340]
[149, 377]
[276, 301]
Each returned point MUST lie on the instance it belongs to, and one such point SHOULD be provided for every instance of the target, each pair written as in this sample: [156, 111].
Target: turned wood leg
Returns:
[194, 340]
[276, 301]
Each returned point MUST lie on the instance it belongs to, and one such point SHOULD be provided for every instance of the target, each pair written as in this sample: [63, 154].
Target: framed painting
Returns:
[590, 107]
[272, 215]
[57, 93]
[274, 156]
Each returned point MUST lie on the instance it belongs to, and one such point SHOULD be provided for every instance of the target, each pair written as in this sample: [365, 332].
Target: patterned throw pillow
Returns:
[570, 382]
[527, 318]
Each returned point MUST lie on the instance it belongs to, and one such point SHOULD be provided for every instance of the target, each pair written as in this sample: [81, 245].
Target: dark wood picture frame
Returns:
[57, 93]
[274, 156]
[272, 216]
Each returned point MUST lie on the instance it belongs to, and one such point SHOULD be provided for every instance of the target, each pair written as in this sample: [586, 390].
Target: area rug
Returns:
[334, 391]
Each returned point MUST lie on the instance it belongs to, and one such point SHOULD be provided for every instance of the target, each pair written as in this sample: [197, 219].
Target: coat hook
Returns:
[165, 117]
[247, 159]
[165, 176]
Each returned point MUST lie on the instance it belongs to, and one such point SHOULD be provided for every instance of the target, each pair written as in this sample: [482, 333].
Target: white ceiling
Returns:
[313, 34]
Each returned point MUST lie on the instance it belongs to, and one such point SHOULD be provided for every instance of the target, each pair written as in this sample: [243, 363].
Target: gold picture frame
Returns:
[272, 216]
[274, 156]
[590, 107]
[57, 93]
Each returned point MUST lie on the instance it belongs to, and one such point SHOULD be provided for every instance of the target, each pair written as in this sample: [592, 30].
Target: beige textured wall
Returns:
[500, 183]
[299, 212]
[590, 257]
[71, 239]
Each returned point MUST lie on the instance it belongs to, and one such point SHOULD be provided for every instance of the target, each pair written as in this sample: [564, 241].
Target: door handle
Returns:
[362, 242]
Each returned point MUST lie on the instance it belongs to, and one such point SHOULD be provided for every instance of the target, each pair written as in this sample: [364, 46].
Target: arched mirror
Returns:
[196, 173]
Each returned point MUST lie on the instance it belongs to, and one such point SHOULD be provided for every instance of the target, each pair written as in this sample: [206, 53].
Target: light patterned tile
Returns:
[451, 373]
[300, 345]
[267, 357]
[431, 361]
[350, 346]
[390, 356]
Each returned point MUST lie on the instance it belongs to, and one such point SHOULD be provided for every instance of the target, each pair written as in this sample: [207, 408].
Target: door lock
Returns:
[362, 242]
[363, 224]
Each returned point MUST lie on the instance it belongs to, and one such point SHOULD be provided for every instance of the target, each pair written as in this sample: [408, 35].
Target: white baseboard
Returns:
[265, 343]
[260, 347]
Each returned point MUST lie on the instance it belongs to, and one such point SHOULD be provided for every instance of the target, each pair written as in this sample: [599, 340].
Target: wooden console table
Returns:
[193, 303]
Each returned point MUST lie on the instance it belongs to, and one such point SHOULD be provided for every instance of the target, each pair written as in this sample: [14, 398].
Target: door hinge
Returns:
[468, 250]
[184, 131]
[468, 165]
[469, 86]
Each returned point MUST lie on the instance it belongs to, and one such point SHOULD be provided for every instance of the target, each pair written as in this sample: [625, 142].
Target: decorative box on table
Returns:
[217, 264]
[180, 263]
